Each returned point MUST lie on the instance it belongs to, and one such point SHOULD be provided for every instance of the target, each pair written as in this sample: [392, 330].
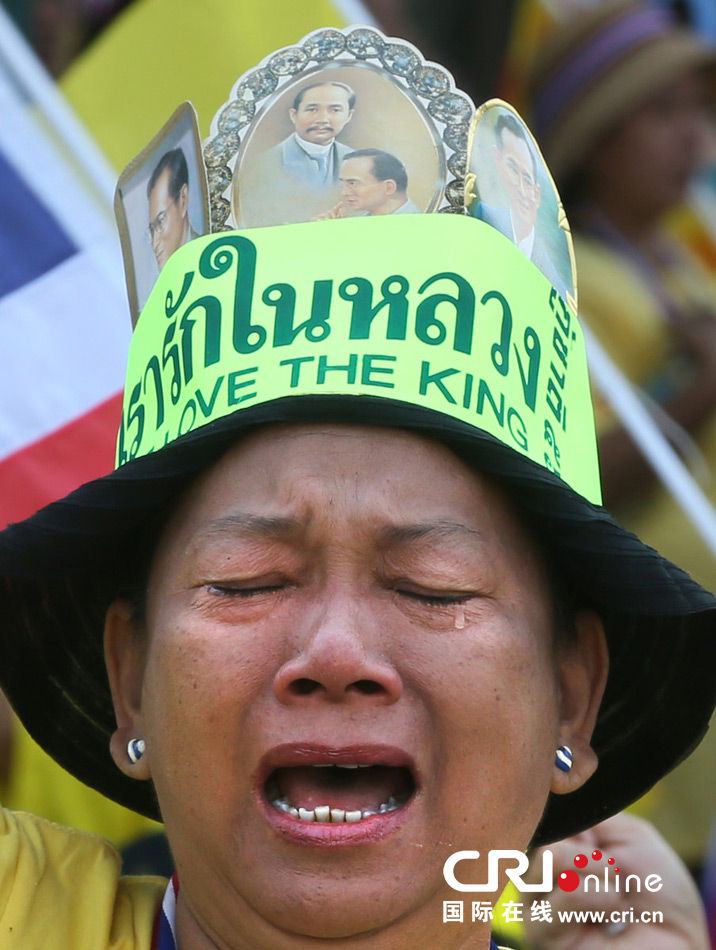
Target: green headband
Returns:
[439, 311]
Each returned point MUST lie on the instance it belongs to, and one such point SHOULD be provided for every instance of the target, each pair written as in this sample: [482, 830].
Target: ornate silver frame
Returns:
[429, 85]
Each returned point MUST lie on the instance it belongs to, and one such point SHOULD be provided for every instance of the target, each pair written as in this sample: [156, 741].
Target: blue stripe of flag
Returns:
[31, 240]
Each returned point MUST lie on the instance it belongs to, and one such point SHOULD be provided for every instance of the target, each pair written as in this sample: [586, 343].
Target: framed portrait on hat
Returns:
[348, 124]
[161, 202]
[322, 144]
[510, 188]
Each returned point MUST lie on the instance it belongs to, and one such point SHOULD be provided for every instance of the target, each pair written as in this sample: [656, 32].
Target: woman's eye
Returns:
[228, 590]
[435, 600]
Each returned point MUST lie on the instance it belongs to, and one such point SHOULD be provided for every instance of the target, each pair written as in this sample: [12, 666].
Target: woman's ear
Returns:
[583, 668]
[125, 656]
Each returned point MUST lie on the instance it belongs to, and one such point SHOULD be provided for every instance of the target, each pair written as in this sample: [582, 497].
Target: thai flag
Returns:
[64, 320]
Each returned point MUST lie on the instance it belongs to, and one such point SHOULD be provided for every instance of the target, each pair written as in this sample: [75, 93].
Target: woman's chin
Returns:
[345, 891]
[340, 908]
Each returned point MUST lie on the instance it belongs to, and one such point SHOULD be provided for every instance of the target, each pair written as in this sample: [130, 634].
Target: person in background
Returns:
[618, 101]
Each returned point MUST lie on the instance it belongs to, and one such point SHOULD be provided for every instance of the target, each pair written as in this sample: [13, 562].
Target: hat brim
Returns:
[63, 567]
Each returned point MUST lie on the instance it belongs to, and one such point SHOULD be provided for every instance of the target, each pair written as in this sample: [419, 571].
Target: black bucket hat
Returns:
[436, 323]
[62, 567]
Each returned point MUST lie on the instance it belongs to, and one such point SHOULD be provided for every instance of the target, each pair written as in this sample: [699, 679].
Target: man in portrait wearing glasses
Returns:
[373, 182]
[168, 194]
[517, 167]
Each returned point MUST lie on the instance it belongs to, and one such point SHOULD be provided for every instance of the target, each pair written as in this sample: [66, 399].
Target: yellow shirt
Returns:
[62, 889]
[37, 784]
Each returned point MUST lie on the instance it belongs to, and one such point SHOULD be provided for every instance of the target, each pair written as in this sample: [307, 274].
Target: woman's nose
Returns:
[338, 659]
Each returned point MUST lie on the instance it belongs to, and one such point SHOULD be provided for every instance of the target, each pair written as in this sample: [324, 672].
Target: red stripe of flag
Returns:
[53, 466]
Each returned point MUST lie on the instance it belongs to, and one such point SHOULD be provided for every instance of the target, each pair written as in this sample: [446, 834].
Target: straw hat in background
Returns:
[598, 66]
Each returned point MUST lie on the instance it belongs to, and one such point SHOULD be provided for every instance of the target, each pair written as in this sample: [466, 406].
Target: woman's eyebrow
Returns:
[431, 530]
[278, 526]
[270, 526]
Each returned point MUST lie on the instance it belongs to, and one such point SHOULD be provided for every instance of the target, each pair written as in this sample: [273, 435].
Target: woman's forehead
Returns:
[367, 477]
[329, 466]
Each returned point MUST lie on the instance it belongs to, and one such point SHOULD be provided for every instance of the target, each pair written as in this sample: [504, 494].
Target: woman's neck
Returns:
[404, 934]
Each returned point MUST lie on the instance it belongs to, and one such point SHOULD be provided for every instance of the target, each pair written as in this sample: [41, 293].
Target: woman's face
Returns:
[346, 618]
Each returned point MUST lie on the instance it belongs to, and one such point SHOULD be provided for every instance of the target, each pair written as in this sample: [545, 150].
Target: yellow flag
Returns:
[161, 52]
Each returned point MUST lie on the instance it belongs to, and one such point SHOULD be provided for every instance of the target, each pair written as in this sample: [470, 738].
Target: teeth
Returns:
[326, 814]
[348, 766]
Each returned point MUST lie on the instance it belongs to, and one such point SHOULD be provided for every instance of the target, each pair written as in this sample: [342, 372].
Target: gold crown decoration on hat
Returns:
[376, 99]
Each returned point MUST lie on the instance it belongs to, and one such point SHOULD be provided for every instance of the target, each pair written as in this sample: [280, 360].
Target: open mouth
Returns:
[337, 794]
